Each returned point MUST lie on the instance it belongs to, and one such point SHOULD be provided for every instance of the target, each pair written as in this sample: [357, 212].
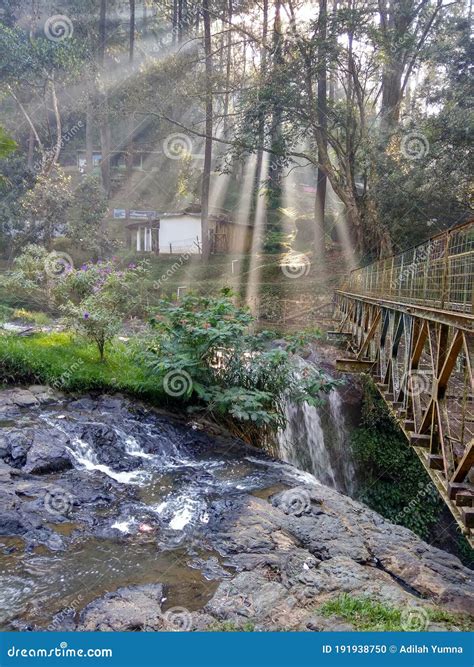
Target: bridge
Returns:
[409, 324]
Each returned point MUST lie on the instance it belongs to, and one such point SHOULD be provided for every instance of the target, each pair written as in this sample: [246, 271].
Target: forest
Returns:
[324, 121]
[236, 329]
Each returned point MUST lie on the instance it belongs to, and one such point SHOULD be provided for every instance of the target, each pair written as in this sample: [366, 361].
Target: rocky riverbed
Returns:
[115, 516]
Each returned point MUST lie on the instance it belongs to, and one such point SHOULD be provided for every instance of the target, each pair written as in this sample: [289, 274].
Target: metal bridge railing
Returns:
[438, 273]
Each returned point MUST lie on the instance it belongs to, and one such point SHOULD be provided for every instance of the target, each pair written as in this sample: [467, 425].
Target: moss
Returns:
[395, 482]
[371, 615]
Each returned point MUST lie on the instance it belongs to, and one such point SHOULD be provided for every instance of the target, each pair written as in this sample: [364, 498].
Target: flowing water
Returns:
[317, 439]
[137, 507]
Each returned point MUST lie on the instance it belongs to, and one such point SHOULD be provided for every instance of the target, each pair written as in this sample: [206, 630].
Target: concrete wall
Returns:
[183, 232]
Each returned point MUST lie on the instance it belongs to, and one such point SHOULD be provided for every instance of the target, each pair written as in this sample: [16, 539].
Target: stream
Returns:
[134, 501]
[116, 516]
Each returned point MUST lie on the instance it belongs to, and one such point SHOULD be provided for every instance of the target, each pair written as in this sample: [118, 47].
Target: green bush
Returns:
[395, 482]
[203, 350]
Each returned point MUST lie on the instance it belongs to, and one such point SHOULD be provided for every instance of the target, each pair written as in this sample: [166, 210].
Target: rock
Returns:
[248, 595]
[14, 445]
[10, 524]
[210, 568]
[24, 398]
[132, 608]
[48, 453]
[43, 393]
[108, 447]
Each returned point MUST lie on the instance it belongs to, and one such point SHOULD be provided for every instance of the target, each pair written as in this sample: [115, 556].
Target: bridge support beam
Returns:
[421, 361]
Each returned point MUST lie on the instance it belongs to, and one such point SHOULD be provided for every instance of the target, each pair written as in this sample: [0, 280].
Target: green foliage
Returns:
[46, 204]
[85, 221]
[7, 144]
[31, 281]
[229, 626]
[28, 316]
[15, 180]
[395, 483]
[370, 615]
[69, 364]
[208, 342]
[96, 298]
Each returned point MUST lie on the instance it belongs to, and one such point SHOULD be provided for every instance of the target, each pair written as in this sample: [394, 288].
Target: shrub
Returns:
[203, 349]
[96, 298]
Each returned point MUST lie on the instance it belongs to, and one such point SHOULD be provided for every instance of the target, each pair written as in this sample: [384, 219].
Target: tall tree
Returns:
[131, 54]
[321, 179]
[275, 172]
[104, 124]
[206, 175]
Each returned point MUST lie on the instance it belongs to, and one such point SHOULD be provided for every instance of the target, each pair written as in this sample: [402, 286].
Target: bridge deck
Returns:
[411, 321]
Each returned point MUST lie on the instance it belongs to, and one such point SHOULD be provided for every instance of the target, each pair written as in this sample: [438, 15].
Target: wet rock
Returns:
[210, 568]
[14, 445]
[109, 448]
[11, 525]
[48, 453]
[132, 608]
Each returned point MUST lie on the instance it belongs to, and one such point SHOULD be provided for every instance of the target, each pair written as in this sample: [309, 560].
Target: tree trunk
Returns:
[206, 176]
[104, 128]
[89, 135]
[131, 124]
[320, 200]
[395, 19]
[275, 173]
[261, 121]
[31, 149]
[228, 68]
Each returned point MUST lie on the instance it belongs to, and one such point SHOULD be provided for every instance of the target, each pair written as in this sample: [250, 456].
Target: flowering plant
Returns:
[96, 298]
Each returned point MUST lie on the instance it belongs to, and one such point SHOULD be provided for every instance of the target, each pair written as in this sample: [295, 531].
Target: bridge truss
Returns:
[409, 323]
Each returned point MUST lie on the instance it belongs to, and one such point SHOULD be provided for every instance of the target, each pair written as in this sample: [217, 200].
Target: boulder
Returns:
[48, 453]
[131, 608]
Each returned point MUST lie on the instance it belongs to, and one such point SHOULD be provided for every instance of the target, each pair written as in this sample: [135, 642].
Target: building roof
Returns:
[219, 215]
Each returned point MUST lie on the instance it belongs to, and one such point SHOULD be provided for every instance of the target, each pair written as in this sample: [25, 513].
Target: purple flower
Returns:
[84, 267]
[86, 315]
[132, 266]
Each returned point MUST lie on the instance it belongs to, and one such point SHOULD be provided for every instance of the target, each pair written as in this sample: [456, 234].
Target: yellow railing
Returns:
[438, 273]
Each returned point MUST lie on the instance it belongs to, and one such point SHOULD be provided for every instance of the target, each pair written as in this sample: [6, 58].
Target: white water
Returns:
[316, 439]
[85, 456]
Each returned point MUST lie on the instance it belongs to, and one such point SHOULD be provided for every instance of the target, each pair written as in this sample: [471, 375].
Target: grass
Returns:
[64, 362]
[229, 626]
[370, 615]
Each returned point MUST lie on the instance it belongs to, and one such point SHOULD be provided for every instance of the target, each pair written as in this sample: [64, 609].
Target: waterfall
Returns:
[316, 439]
